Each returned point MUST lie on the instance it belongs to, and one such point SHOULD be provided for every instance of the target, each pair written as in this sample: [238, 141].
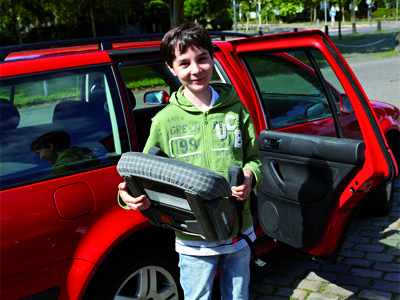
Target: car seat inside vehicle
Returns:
[9, 116]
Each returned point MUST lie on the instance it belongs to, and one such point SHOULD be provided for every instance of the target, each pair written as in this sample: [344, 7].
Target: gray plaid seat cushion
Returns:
[195, 180]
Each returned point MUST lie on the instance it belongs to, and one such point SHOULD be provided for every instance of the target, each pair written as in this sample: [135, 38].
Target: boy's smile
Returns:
[194, 70]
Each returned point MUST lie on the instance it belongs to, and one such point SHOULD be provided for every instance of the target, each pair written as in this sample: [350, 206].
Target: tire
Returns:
[141, 276]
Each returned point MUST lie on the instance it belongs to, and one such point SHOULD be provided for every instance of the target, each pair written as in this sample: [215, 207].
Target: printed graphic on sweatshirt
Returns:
[183, 146]
[228, 133]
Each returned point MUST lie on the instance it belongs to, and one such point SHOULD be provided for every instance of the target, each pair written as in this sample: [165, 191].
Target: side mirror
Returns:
[155, 97]
[345, 104]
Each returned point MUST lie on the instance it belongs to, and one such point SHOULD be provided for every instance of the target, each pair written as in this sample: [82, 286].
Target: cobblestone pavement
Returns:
[368, 268]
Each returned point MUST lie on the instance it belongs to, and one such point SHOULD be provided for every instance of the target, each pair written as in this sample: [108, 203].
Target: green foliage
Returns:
[45, 20]
[196, 9]
[219, 13]
[156, 12]
[380, 12]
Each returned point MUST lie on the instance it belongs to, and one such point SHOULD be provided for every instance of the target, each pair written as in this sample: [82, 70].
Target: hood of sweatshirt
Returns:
[227, 96]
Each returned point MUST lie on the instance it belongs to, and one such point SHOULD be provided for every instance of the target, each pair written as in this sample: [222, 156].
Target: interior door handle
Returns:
[272, 143]
[273, 166]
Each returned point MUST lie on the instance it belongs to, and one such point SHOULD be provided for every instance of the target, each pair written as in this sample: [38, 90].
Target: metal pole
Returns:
[370, 16]
[325, 4]
[353, 20]
[234, 15]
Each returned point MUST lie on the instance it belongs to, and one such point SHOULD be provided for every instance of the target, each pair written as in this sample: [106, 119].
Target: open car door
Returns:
[321, 163]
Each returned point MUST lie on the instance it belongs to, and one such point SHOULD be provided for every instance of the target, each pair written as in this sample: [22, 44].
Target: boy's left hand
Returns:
[243, 191]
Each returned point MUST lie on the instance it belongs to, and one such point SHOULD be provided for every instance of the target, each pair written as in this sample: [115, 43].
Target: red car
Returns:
[326, 150]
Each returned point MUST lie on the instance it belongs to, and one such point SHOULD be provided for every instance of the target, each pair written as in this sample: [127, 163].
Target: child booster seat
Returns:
[184, 197]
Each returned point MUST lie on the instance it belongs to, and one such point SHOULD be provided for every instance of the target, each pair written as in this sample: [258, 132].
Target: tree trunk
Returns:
[177, 15]
[15, 20]
[174, 13]
[353, 18]
[39, 26]
[311, 20]
[315, 13]
[171, 13]
[92, 19]
[340, 29]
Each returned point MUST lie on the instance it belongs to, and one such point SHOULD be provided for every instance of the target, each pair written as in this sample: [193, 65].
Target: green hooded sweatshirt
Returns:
[215, 139]
[73, 159]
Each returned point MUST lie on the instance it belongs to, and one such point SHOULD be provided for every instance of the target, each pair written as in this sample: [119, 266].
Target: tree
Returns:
[196, 9]
[176, 12]
[156, 10]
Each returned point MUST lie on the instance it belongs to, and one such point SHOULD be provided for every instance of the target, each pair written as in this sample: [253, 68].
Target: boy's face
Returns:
[193, 68]
[48, 154]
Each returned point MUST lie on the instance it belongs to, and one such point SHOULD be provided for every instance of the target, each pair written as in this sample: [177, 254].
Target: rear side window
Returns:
[290, 95]
[54, 125]
[293, 96]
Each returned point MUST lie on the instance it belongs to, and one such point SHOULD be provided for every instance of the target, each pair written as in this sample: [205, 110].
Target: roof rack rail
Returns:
[104, 43]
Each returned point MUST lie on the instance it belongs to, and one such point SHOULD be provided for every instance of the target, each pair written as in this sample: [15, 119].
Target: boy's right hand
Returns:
[139, 203]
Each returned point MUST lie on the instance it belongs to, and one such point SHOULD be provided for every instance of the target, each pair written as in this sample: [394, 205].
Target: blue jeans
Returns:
[198, 272]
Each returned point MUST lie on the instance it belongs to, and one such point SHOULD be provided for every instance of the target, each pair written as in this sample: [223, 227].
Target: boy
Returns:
[54, 147]
[216, 131]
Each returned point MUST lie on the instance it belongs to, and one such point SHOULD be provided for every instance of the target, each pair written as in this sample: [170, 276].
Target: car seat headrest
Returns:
[9, 116]
[131, 99]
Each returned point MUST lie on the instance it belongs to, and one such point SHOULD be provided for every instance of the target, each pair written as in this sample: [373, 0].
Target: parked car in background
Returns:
[327, 153]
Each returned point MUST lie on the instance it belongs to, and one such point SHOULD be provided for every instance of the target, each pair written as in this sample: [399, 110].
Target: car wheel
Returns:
[147, 276]
[382, 203]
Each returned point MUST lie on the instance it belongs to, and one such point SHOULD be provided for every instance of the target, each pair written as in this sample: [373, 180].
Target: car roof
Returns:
[46, 56]
[37, 50]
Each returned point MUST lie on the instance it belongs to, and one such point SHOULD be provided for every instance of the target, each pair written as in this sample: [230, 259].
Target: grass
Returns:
[378, 44]
[23, 98]
[141, 77]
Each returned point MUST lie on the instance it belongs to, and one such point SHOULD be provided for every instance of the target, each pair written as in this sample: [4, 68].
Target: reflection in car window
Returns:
[141, 79]
[59, 123]
[350, 126]
[291, 95]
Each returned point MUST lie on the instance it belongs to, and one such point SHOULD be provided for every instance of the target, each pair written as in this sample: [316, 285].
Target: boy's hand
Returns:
[243, 191]
[139, 203]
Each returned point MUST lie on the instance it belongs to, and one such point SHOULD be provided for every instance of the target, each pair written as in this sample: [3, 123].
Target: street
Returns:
[380, 78]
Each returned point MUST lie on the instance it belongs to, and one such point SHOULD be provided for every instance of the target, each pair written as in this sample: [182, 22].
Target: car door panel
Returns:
[303, 180]
[317, 175]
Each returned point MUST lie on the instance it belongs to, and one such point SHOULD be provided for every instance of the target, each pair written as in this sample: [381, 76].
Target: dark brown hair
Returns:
[60, 140]
[184, 36]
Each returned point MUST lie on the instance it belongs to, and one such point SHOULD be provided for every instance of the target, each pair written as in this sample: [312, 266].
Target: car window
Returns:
[290, 95]
[293, 97]
[140, 78]
[348, 121]
[56, 124]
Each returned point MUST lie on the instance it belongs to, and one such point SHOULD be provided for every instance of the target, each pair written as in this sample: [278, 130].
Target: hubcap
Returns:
[151, 283]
